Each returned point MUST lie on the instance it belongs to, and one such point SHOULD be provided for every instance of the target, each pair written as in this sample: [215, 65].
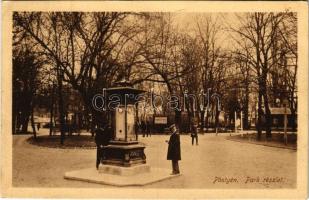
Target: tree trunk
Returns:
[93, 123]
[260, 113]
[258, 69]
[246, 108]
[206, 120]
[217, 119]
[178, 119]
[25, 121]
[293, 107]
[51, 122]
[202, 120]
[189, 115]
[293, 120]
[14, 119]
[60, 106]
[177, 112]
[32, 123]
[268, 118]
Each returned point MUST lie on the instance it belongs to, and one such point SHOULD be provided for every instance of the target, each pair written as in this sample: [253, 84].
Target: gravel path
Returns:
[215, 163]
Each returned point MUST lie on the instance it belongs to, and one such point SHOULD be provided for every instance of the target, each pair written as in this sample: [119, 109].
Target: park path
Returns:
[214, 163]
[218, 158]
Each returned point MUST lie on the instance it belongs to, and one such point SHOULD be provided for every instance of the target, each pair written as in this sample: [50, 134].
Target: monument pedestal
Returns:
[124, 171]
[124, 154]
[123, 165]
[107, 175]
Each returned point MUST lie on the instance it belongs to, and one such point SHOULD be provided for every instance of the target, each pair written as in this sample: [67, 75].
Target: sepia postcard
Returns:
[154, 99]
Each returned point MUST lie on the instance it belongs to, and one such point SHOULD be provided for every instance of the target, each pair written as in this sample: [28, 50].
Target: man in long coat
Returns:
[102, 138]
[194, 134]
[173, 152]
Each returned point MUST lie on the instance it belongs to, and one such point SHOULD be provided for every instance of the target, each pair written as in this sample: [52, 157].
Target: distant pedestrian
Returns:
[143, 126]
[148, 131]
[39, 126]
[194, 134]
[137, 129]
[173, 152]
[102, 138]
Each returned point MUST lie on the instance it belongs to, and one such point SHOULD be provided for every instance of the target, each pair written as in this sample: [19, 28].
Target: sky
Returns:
[187, 22]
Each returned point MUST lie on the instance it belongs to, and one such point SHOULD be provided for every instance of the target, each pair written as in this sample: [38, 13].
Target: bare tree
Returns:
[212, 69]
[86, 48]
[160, 50]
[258, 35]
[26, 82]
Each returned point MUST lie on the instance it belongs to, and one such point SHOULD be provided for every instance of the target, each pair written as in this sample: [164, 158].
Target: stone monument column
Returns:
[124, 160]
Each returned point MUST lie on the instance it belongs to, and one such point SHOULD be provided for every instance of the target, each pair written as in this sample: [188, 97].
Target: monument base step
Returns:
[92, 175]
[124, 171]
